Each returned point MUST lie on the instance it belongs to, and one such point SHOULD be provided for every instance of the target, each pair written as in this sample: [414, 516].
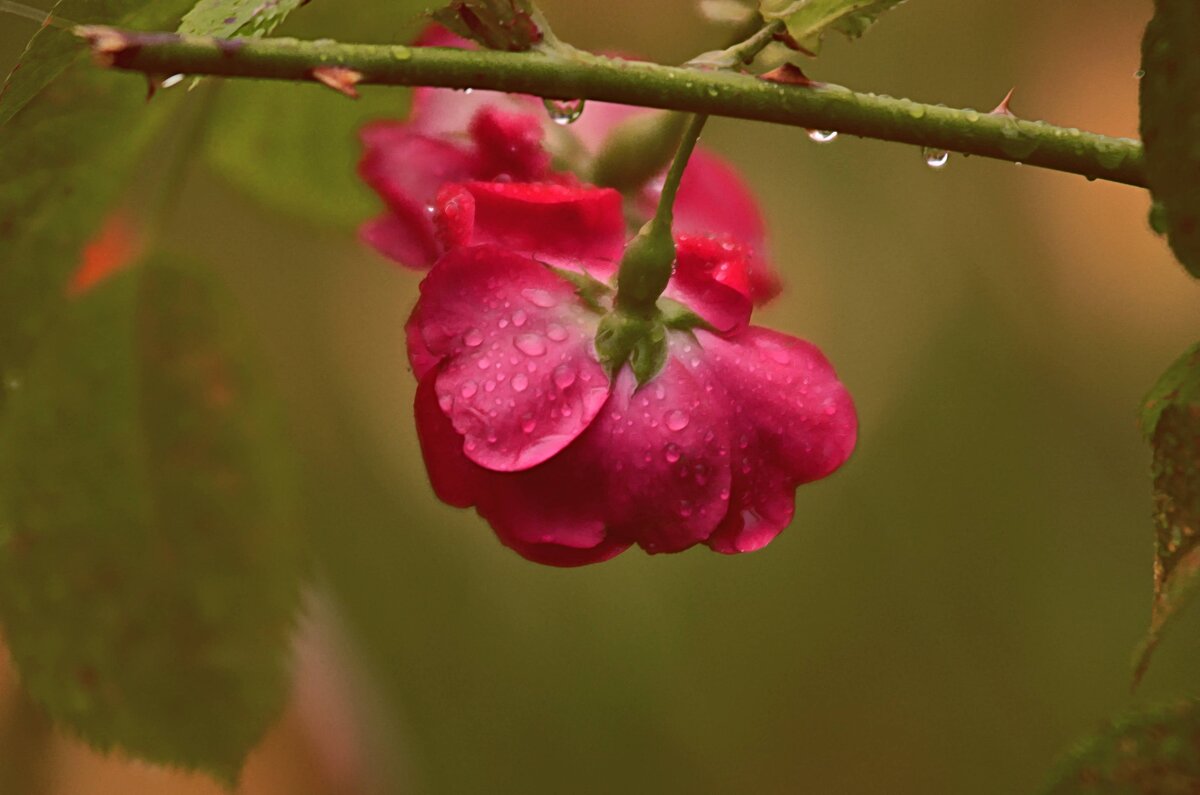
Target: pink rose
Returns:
[452, 136]
[518, 417]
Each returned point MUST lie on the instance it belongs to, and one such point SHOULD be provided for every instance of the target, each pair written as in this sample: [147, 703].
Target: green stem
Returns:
[665, 216]
[650, 257]
[743, 52]
[719, 93]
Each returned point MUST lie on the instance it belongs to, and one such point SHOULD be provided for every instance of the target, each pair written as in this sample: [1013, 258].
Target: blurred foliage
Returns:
[1149, 752]
[149, 561]
[52, 194]
[1170, 116]
[808, 20]
[1171, 422]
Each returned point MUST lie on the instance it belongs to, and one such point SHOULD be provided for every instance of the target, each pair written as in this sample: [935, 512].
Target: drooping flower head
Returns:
[571, 463]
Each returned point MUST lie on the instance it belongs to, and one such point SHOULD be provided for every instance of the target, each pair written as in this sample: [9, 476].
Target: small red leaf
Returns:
[115, 246]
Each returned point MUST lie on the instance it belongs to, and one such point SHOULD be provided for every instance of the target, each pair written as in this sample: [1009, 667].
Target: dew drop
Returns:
[564, 376]
[539, 297]
[446, 401]
[171, 81]
[685, 508]
[473, 338]
[563, 111]
[468, 91]
[935, 158]
[823, 136]
[672, 453]
[520, 382]
[677, 420]
[484, 363]
[556, 332]
[530, 344]
[528, 424]
[468, 389]
[519, 317]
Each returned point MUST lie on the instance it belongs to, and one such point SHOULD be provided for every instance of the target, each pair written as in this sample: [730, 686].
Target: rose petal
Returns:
[508, 146]
[519, 378]
[709, 279]
[792, 422]
[406, 170]
[549, 514]
[665, 451]
[580, 228]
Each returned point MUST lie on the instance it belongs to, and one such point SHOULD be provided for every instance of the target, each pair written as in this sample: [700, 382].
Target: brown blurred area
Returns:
[947, 614]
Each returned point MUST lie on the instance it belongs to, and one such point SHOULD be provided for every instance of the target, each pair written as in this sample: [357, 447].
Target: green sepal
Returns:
[596, 294]
[638, 149]
[649, 354]
[510, 25]
[678, 317]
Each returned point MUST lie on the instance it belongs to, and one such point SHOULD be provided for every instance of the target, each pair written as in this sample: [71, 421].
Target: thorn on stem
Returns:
[789, 74]
[1002, 109]
[340, 78]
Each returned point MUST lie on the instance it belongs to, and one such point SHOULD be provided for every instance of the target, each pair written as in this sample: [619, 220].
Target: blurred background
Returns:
[948, 613]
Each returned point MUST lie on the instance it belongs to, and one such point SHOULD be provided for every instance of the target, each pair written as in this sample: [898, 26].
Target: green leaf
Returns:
[244, 18]
[64, 161]
[149, 560]
[496, 24]
[53, 49]
[808, 20]
[1170, 117]
[1170, 419]
[294, 147]
[1151, 751]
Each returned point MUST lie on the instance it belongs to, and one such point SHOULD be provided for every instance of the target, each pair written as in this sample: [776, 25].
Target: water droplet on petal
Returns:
[563, 111]
[468, 389]
[539, 297]
[530, 344]
[556, 332]
[677, 420]
[473, 338]
[564, 376]
[823, 136]
[685, 508]
[446, 401]
[520, 382]
[528, 424]
[672, 453]
[935, 158]
[519, 317]
[484, 363]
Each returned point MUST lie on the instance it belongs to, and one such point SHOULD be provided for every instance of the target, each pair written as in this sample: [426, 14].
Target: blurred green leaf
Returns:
[808, 20]
[1170, 420]
[495, 24]
[53, 49]
[1155, 752]
[1170, 116]
[149, 556]
[295, 147]
[64, 160]
[227, 18]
